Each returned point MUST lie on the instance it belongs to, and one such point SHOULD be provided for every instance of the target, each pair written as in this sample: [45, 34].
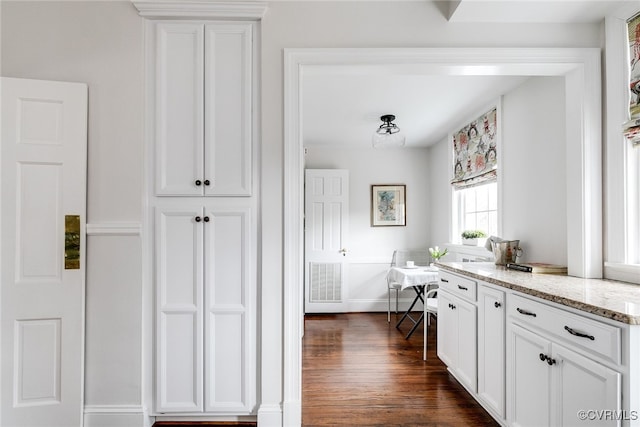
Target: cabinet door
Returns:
[467, 345]
[179, 119]
[229, 319]
[179, 278]
[491, 349]
[582, 384]
[529, 378]
[228, 118]
[447, 329]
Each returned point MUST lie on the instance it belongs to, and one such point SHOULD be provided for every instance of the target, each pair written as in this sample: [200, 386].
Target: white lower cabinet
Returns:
[531, 363]
[205, 334]
[457, 348]
[491, 349]
[550, 384]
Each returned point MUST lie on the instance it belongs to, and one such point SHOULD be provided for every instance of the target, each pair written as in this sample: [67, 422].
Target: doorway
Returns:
[581, 69]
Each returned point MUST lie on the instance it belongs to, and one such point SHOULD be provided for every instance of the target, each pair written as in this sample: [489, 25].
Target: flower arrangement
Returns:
[436, 253]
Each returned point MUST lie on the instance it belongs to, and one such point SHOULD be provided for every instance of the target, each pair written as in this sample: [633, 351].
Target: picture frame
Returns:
[388, 205]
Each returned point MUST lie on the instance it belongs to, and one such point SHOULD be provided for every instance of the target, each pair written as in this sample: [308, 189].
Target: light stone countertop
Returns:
[607, 298]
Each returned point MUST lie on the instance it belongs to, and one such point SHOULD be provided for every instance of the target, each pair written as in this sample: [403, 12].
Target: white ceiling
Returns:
[341, 106]
[344, 109]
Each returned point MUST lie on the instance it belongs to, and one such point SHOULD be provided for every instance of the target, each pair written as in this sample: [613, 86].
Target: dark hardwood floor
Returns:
[358, 370]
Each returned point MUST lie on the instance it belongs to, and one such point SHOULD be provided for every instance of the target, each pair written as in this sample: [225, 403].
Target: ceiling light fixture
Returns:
[388, 134]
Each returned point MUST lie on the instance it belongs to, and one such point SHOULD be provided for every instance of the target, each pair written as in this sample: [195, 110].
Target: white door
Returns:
[491, 349]
[44, 140]
[529, 379]
[179, 293]
[326, 251]
[582, 383]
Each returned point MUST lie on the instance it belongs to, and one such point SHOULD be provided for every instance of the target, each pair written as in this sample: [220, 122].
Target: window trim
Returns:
[621, 247]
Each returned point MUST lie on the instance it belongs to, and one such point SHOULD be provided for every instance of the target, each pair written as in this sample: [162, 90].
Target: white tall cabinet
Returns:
[203, 201]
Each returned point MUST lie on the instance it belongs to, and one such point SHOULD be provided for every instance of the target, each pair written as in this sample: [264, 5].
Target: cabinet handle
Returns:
[497, 304]
[198, 219]
[207, 182]
[462, 288]
[452, 307]
[525, 312]
[206, 219]
[546, 358]
[579, 334]
[444, 280]
[198, 183]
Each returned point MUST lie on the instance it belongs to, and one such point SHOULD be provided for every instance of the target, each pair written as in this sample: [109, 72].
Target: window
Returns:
[476, 208]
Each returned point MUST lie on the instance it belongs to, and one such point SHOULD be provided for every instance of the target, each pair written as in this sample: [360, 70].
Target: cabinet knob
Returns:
[543, 357]
[497, 304]
[198, 219]
[206, 219]
[551, 361]
[198, 182]
[207, 182]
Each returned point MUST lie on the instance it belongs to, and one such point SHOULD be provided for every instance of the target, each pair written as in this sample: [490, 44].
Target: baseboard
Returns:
[292, 413]
[114, 416]
[270, 416]
[374, 305]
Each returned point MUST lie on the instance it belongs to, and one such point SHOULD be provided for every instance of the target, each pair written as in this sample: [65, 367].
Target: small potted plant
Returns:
[470, 237]
[436, 253]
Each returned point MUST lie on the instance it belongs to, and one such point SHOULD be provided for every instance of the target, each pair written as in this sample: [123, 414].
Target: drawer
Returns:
[461, 286]
[596, 338]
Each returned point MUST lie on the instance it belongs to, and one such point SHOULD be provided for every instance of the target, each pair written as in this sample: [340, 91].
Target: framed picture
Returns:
[388, 205]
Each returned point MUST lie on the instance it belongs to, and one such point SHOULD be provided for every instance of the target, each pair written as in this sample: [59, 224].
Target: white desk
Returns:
[416, 278]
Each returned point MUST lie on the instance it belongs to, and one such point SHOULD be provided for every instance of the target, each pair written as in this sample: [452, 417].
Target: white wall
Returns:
[534, 182]
[370, 248]
[98, 43]
[101, 43]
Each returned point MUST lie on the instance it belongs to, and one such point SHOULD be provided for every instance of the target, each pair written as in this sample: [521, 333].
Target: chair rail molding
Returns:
[579, 66]
[167, 9]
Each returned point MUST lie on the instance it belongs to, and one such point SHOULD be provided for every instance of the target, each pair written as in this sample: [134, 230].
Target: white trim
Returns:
[581, 67]
[114, 416]
[270, 416]
[623, 272]
[201, 9]
[619, 246]
[114, 229]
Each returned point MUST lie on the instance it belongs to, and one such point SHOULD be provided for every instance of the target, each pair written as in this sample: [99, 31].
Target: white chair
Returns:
[430, 307]
[420, 257]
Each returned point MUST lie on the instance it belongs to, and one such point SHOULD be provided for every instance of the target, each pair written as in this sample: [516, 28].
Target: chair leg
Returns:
[388, 305]
[397, 291]
[426, 327]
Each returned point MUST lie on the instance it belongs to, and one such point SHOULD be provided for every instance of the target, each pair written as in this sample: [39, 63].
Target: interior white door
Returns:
[326, 234]
[44, 147]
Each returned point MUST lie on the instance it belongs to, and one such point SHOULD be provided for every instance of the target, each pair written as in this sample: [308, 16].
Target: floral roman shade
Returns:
[475, 156]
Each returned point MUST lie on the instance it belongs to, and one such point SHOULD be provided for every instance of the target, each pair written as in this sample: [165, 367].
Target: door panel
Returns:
[326, 236]
[179, 109]
[179, 249]
[582, 383]
[228, 73]
[229, 373]
[44, 148]
[530, 378]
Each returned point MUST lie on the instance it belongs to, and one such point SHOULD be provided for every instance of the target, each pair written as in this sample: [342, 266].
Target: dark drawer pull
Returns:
[462, 288]
[525, 312]
[579, 334]
[497, 304]
[444, 280]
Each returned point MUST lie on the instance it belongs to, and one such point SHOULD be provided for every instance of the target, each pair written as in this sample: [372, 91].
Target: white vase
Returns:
[470, 242]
